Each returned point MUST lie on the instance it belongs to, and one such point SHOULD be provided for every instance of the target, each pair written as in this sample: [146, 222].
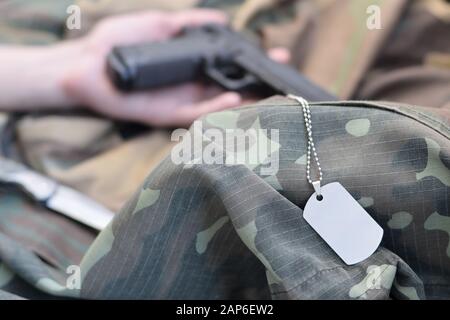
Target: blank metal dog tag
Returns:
[344, 225]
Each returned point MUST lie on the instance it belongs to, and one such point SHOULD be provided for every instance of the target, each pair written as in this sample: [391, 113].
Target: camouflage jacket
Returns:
[217, 231]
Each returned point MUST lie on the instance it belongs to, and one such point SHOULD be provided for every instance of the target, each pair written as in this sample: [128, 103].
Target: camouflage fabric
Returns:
[217, 231]
[357, 66]
[230, 232]
[413, 67]
[93, 159]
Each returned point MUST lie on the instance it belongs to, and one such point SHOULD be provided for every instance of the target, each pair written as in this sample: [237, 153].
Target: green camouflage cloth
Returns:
[215, 231]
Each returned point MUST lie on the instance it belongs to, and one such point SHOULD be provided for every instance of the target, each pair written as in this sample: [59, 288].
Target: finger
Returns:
[227, 100]
[160, 106]
[279, 54]
[171, 23]
[155, 107]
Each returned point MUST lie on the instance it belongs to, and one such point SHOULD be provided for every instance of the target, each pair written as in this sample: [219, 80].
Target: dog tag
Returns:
[343, 224]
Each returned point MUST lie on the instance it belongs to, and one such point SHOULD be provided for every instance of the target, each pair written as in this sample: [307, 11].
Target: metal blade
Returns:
[79, 207]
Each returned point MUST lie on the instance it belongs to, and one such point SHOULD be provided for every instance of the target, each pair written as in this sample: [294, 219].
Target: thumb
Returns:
[279, 54]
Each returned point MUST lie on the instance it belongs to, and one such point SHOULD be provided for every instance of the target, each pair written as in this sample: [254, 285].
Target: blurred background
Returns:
[395, 50]
[403, 57]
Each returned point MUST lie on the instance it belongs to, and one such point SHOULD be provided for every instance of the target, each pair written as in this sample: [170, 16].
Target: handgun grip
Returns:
[154, 65]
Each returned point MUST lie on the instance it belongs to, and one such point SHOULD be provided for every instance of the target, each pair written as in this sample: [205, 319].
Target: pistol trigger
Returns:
[230, 77]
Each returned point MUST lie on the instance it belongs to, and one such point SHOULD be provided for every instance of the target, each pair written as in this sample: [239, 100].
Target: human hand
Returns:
[86, 81]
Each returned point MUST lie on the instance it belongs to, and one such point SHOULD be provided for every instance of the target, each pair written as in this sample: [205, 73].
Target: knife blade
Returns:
[56, 196]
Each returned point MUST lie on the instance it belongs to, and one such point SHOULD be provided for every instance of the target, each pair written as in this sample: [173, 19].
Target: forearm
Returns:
[31, 77]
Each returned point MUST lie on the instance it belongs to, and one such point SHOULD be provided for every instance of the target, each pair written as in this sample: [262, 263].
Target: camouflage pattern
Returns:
[85, 162]
[413, 67]
[215, 231]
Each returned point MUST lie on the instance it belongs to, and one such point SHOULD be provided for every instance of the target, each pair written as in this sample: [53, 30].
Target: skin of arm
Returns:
[32, 77]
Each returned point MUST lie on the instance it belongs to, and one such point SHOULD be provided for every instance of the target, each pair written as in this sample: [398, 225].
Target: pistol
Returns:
[210, 52]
